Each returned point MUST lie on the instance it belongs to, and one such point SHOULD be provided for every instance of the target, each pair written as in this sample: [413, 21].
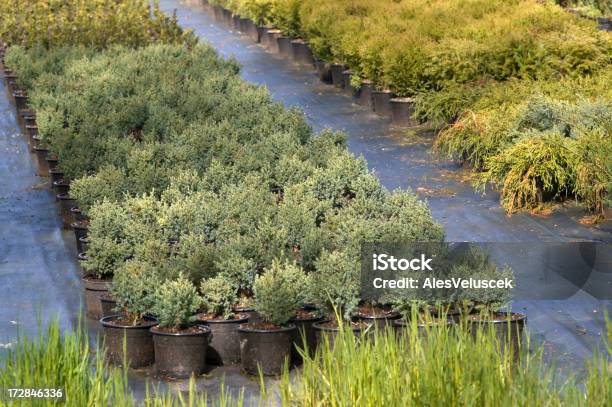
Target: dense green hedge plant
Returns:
[279, 292]
[133, 288]
[219, 296]
[175, 303]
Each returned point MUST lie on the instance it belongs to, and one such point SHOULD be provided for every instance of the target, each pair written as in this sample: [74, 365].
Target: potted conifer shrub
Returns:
[266, 346]
[180, 345]
[334, 286]
[132, 289]
[219, 295]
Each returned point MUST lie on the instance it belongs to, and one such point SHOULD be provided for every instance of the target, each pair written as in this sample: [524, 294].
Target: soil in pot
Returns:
[508, 327]
[224, 347]
[139, 351]
[323, 71]
[94, 288]
[66, 204]
[329, 329]
[381, 102]
[305, 333]
[265, 347]
[337, 77]
[423, 328]
[180, 353]
[108, 304]
[378, 317]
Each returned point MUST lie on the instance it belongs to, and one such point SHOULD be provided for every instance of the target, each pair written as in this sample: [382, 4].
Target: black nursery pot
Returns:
[302, 53]
[337, 76]
[224, 347]
[29, 119]
[77, 215]
[66, 204]
[381, 102]
[323, 332]
[346, 78]
[84, 244]
[41, 158]
[56, 174]
[217, 13]
[401, 112]
[31, 133]
[139, 351]
[61, 188]
[251, 30]
[285, 49]
[21, 100]
[304, 335]
[267, 350]
[249, 312]
[94, 288]
[80, 231]
[508, 328]
[380, 321]
[51, 161]
[364, 98]
[181, 354]
[236, 22]
[108, 305]
[227, 17]
[402, 327]
[269, 39]
[323, 71]
[244, 25]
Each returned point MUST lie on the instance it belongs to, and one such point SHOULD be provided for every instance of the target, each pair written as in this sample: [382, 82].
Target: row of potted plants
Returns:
[489, 139]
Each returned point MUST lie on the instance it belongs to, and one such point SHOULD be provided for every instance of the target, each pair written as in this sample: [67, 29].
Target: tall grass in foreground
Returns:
[446, 367]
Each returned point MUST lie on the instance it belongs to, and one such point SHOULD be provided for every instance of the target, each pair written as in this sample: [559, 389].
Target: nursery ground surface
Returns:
[38, 270]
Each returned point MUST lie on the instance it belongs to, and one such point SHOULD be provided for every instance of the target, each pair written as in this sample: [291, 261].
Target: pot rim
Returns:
[522, 318]
[205, 331]
[318, 318]
[242, 319]
[317, 326]
[402, 100]
[392, 315]
[403, 323]
[105, 321]
[65, 197]
[284, 328]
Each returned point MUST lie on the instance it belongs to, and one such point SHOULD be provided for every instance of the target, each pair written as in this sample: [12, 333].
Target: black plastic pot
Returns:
[364, 97]
[244, 25]
[32, 135]
[108, 305]
[323, 71]
[251, 30]
[423, 329]
[604, 23]
[265, 350]
[249, 312]
[41, 158]
[337, 77]
[80, 231]
[77, 215]
[29, 119]
[401, 112]
[269, 39]
[61, 187]
[66, 203]
[323, 333]
[380, 321]
[218, 13]
[21, 100]
[180, 354]
[139, 350]
[285, 49]
[56, 174]
[236, 22]
[94, 288]
[224, 347]
[509, 332]
[84, 244]
[346, 78]
[302, 54]
[51, 161]
[304, 334]
[227, 17]
[381, 102]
